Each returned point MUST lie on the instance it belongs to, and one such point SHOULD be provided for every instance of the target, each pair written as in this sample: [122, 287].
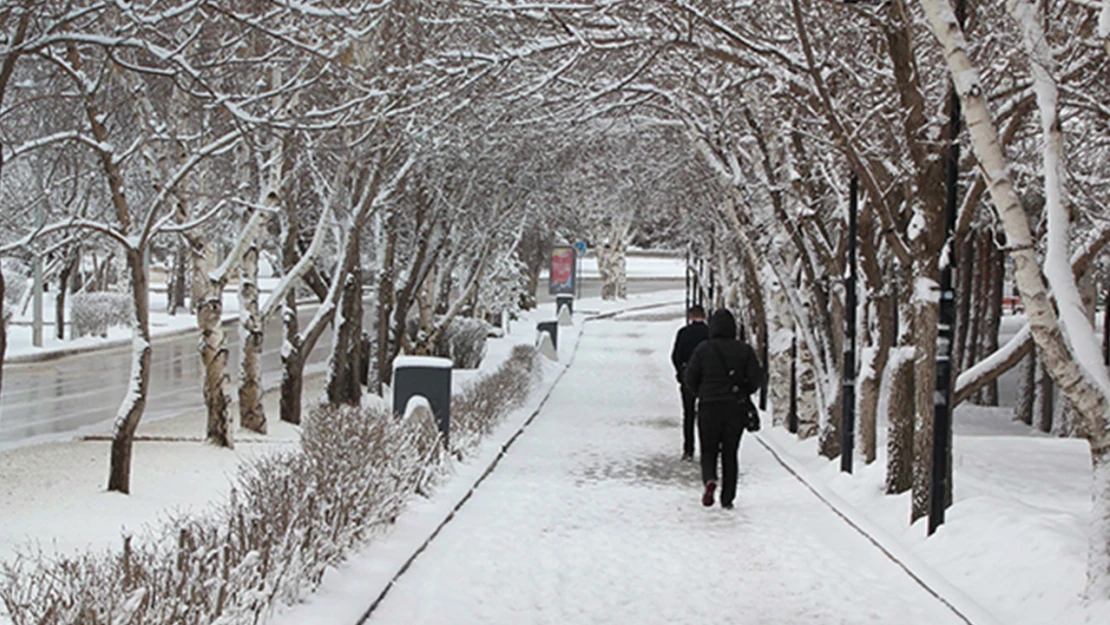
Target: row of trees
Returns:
[389, 152]
[432, 149]
[785, 100]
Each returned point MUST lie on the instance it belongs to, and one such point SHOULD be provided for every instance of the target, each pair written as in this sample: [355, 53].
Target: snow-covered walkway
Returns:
[592, 518]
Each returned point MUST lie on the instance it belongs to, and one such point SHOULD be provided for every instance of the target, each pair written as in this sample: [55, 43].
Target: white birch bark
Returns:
[1086, 394]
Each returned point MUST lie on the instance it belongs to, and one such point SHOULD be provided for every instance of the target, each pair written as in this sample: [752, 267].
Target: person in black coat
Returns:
[723, 401]
[688, 338]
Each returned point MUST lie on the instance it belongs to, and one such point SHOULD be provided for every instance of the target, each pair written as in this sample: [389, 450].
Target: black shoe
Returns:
[688, 457]
[727, 506]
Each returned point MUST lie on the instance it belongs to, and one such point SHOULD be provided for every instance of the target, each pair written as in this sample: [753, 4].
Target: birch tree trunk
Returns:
[214, 355]
[291, 359]
[252, 416]
[134, 403]
[346, 354]
[1083, 387]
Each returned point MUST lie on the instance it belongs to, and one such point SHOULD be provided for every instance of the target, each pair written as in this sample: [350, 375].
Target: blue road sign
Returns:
[580, 246]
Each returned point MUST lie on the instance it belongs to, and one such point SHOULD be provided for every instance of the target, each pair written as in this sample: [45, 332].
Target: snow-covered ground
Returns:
[593, 518]
[1015, 538]
[590, 517]
[48, 487]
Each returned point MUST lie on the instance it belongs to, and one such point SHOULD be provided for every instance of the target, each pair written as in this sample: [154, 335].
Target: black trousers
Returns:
[720, 426]
[689, 417]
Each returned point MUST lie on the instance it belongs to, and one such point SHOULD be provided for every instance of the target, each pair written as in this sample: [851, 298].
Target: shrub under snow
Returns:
[93, 313]
[290, 516]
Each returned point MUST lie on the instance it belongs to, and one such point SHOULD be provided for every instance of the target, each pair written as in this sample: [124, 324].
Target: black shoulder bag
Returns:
[751, 415]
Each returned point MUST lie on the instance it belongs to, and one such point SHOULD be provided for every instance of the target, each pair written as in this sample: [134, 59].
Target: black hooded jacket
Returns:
[708, 377]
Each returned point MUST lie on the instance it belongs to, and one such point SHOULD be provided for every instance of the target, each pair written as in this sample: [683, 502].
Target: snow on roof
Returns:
[431, 362]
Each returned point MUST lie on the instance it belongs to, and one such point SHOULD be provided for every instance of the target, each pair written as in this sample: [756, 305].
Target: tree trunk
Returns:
[1044, 404]
[385, 306]
[900, 437]
[992, 320]
[807, 394]
[131, 410]
[1027, 376]
[964, 295]
[60, 298]
[925, 374]
[346, 354]
[292, 362]
[213, 355]
[871, 385]
[176, 288]
[252, 415]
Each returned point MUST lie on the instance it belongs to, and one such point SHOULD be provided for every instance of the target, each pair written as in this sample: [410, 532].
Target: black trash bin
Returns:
[426, 376]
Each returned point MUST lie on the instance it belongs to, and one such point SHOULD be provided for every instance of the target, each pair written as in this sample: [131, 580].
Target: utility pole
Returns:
[848, 431]
[942, 407]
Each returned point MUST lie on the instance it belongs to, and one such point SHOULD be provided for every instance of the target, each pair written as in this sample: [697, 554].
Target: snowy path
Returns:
[591, 518]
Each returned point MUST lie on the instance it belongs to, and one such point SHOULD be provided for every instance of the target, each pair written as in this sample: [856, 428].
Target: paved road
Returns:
[84, 391]
[79, 392]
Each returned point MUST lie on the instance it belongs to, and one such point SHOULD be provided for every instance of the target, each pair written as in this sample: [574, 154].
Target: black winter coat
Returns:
[685, 342]
[707, 376]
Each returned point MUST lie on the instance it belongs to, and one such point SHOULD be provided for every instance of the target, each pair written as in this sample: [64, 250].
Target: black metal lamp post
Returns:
[848, 431]
[942, 407]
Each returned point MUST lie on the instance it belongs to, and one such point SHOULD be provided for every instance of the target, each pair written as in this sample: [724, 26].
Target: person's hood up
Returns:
[722, 325]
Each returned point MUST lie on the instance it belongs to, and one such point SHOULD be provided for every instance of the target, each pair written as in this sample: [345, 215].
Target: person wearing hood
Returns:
[685, 342]
[723, 372]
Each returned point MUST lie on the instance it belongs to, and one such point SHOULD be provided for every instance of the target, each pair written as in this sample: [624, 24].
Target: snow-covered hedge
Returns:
[464, 342]
[93, 313]
[289, 517]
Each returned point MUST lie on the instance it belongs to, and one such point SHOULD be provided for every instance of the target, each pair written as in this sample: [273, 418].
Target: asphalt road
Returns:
[44, 399]
[71, 394]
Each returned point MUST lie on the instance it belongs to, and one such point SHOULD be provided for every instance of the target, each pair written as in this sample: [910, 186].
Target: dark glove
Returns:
[678, 378]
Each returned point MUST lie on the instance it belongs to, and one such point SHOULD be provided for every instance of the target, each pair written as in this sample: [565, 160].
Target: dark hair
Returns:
[695, 311]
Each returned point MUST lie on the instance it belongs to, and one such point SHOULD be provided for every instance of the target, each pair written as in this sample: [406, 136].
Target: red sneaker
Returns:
[707, 498]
